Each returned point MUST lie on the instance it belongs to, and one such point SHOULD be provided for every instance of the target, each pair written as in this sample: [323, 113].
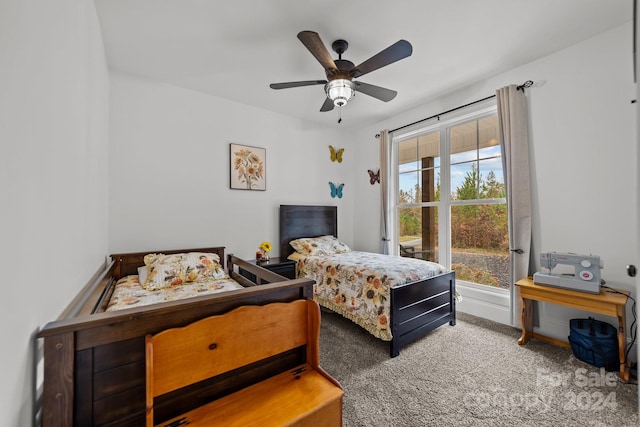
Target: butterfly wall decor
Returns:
[336, 155]
[374, 177]
[336, 190]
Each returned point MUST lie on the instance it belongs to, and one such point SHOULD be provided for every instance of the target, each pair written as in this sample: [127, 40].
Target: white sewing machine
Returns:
[585, 276]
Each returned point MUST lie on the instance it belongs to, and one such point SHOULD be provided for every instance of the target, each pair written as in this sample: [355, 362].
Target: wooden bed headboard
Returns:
[305, 221]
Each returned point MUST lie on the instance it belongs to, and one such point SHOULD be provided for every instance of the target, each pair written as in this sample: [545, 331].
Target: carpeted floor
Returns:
[471, 374]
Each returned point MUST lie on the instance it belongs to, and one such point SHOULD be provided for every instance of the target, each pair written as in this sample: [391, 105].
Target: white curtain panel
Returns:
[512, 128]
[385, 244]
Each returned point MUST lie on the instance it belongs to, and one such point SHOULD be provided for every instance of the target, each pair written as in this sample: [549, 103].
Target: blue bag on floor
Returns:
[595, 343]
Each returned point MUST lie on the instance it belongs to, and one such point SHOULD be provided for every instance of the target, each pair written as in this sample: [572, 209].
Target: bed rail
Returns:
[234, 264]
[89, 299]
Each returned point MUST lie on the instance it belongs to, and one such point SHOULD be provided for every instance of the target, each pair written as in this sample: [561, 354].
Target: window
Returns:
[451, 205]
[418, 195]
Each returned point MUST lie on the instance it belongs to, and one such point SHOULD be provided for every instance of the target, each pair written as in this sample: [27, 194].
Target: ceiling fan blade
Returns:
[397, 51]
[377, 92]
[312, 41]
[327, 106]
[288, 85]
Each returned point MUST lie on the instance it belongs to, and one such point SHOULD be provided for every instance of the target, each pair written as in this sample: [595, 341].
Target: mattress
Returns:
[128, 292]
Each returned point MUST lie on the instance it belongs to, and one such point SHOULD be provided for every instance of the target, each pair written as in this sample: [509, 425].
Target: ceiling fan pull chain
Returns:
[339, 114]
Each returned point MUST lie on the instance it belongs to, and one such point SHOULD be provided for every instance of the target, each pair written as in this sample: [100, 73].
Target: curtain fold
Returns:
[513, 127]
[385, 244]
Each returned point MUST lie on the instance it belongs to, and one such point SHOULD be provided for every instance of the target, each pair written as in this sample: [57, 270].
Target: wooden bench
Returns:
[217, 345]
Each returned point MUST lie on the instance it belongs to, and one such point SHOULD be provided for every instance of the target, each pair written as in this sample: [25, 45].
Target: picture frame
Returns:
[247, 167]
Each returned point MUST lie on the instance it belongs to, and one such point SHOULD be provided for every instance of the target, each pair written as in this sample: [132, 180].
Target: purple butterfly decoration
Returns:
[374, 177]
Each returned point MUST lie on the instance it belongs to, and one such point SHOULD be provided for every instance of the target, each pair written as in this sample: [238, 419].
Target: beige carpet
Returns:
[471, 374]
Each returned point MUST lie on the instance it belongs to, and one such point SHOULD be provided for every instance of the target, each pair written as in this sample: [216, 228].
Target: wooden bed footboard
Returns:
[94, 361]
[417, 308]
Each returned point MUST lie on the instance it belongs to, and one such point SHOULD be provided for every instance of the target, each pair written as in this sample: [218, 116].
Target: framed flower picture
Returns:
[248, 167]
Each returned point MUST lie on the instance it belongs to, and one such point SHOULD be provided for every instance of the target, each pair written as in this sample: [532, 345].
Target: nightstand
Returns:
[285, 268]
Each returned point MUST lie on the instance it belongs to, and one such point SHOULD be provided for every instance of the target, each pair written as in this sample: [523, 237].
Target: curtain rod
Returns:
[521, 87]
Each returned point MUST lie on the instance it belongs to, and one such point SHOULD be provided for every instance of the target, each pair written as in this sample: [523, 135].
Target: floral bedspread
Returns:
[357, 284]
[129, 293]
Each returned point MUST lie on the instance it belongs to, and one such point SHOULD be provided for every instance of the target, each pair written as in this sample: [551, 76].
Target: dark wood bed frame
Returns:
[417, 308]
[94, 361]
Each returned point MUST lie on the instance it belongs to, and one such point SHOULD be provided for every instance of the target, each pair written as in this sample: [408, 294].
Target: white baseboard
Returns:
[483, 301]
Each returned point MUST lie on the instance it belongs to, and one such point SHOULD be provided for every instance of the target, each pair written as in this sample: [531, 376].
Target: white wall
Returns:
[169, 170]
[584, 149]
[53, 176]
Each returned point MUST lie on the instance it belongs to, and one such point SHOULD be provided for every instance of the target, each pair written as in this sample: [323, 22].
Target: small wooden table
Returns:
[606, 302]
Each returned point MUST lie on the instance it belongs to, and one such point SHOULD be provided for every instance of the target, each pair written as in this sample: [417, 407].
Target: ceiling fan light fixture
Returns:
[340, 91]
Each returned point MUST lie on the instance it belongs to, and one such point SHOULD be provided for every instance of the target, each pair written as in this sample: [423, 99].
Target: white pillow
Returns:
[142, 274]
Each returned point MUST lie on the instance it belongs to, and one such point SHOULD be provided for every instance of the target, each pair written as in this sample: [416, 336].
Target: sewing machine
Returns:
[585, 276]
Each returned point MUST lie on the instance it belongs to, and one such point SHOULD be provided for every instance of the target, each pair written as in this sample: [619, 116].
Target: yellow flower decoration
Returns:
[265, 246]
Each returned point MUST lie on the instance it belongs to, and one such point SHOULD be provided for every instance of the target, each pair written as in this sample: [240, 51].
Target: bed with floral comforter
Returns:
[93, 361]
[129, 292]
[357, 284]
[398, 300]
[171, 277]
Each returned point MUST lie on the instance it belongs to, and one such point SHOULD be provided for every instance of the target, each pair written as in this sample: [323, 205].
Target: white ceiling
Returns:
[235, 49]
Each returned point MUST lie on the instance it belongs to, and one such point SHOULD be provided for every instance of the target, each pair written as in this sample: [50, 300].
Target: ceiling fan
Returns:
[339, 86]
